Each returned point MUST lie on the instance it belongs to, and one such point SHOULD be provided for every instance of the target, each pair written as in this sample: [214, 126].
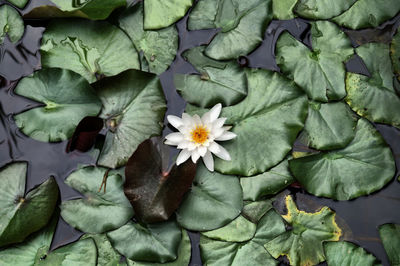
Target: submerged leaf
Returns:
[390, 235]
[345, 253]
[11, 24]
[160, 13]
[322, 9]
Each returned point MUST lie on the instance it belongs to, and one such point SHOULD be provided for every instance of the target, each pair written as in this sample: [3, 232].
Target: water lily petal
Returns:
[214, 112]
[175, 137]
[195, 155]
[226, 136]
[222, 153]
[183, 156]
[219, 122]
[175, 121]
[209, 161]
[214, 147]
[202, 150]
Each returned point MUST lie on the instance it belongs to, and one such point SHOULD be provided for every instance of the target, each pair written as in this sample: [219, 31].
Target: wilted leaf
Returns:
[390, 235]
[11, 24]
[160, 13]
[346, 253]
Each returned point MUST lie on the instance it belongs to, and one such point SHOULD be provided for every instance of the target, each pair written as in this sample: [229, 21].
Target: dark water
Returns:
[359, 217]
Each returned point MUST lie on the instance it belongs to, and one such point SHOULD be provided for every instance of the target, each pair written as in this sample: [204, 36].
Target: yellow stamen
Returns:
[199, 134]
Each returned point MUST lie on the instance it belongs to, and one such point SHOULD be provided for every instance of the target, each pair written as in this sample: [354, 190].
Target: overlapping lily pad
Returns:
[133, 107]
[390, 235]
[99, 211]
[283, 9]
[159, 47]
[106, 254]
[320, 71]
[395, 53]
[242, 24]
[346, 253]
[161, 14]
[150, 243]
[217, 82]
[18, 3]
[374, 97]
[361, 168]
[303, 244]
[210, 205]
[20, 214]
[66, 98]
[90, 48]
[322, 9]
[368, 13]
[11, 24]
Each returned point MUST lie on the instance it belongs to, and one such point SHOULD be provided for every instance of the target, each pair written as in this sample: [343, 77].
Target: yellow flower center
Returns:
[199, 134]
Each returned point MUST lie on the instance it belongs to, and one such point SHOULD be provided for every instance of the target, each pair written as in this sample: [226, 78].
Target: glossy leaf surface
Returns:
[346, 253]
[390, 236]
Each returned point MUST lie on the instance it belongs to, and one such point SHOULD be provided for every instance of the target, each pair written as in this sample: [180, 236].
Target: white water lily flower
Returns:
[197, 136]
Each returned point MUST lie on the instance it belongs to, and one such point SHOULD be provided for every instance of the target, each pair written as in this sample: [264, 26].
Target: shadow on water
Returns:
[361, 216]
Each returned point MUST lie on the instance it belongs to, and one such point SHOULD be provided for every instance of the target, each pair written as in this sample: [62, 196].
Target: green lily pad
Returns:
[346, 253]
[11, 24]
[283, 9]
[255, 210]
[134, 106]
[184, 254]
[330, 125]
[20, 214]
[161, 14]
[18, 3]
[242, 24]
[250, 253]
[66, 98]
[374, 97]
[151, 243]
[322, 9]
[303, 243]
[218, 82]
[320, 71]
[106, 254]
[361, 168]
[368, 13]
[90, 48]
[268, 183]
[159, 47]
[35, 251]
[395, 53]
[99, 211]
[266, 124]
[210, 205]
[390, 235]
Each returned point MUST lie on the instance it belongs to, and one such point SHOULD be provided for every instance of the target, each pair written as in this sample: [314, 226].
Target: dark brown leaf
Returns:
[85, 134]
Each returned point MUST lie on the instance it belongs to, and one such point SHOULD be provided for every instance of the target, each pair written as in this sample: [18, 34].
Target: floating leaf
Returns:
[18, 3]
[346, 253]
[20, 214]
[85, 134]
[159, 47]
[152, 243]
[303, 243]
[361, 168]
[266, 124]
[160, 13]
[66, 98]
[210, 205]
[255, 210]
[218, 82]
[106, 254]
[395, 53]
[330, 125]
[322, 9]
[390, 235]
[268, 183]
[133, 106]
[283, 9]
[90, 48]
[242, 24]
[374, 97]
[320, 71]
[99, 211]
[11, 24]
[368, 13]
[246, 253]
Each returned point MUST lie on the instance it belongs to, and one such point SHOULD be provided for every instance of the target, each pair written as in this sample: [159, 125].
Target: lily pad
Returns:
[374, 97]
[390, 235]
[303, 243]
[268, 183]
[283, 9]
[20, 214]
[322, 9]
[242, 24]
[368, 13]
[266, 124]
[210, 205]
[88, 48]
[152, 243]
[218, 82]
[395, 53]
[106, 254]
[66, 98]
[330, 125]
[255, 210]
[320, 71]
[11, 24]
[361, 168]
[346, 253]
[250, 253]
[18, 3]
[161, 14]
[99, 211]
[159, 47]
[133, 107]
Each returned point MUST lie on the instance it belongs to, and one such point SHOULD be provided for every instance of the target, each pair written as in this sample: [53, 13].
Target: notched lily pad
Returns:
[390, 236]
[346, 253]
[160, 13]
[20, 214]
[66, 98]
[322, 9]
[154, 191]
[11, 24]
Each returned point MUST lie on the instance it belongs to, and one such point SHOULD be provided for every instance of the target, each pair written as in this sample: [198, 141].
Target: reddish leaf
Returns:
[85, 134]
[154, 191]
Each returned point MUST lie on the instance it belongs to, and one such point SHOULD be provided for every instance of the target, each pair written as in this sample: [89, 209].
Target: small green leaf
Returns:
[11, 24]
[283, 9]
[346, 253]
[161, 14]
[18, 3]
[390, 235]
[66, 98]
[322, 9]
